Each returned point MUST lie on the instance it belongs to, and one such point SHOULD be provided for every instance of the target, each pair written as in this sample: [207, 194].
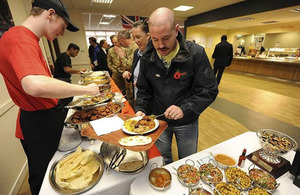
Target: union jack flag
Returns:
[127, 21]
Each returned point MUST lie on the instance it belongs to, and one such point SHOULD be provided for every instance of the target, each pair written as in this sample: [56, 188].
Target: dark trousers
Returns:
[219, 70]
[42, 131]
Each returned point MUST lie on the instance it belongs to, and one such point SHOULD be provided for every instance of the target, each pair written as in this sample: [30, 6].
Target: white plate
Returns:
[138, 118]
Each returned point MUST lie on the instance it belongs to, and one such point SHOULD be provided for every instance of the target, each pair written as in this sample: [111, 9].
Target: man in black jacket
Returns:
[175, 79]
[101, 55]
[223, 54]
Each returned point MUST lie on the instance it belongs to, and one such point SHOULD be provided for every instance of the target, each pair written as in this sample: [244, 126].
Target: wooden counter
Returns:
[283, 69]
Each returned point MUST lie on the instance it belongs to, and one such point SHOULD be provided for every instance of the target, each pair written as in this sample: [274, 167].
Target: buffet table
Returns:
[232, 147]
[111, 182]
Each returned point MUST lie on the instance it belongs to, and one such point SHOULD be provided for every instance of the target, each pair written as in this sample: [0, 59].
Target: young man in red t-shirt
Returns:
[31, 87]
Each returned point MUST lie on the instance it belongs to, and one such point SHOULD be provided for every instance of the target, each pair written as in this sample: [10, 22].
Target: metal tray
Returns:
[79, 104]
[80, 126]
[97, 176]
[107, 152]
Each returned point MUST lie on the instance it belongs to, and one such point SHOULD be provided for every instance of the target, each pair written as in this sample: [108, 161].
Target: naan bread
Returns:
[76, 171]
[131, 166]
[137, 140]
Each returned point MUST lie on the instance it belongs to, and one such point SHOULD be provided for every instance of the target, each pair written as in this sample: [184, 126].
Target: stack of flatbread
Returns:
[76, 171]
[137, 140]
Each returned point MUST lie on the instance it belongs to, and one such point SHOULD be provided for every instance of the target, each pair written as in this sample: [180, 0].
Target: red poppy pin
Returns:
[177, 75]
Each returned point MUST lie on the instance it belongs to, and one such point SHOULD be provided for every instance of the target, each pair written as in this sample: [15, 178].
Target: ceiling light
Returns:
[104, 23]
[244, 19]
[297, 10]
[270, 22]
[102, 1]
[183, 8]
[109, 16]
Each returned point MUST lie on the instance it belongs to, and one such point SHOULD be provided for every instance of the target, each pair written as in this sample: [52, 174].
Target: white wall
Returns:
[13, 162]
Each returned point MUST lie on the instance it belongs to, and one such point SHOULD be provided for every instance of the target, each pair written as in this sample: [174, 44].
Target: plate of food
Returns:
[263, 179]
[210, 174]
[140, 125]
[76, 171]
[188, 175]
[238, 178]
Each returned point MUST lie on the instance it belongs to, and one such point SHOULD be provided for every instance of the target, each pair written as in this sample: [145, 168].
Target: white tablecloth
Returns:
[233, 147]
[110, 184]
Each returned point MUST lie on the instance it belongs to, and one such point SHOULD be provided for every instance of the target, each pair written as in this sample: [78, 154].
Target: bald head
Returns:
[162, 16]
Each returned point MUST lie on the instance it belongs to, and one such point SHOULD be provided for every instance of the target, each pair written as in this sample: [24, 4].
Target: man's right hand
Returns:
[93, 89]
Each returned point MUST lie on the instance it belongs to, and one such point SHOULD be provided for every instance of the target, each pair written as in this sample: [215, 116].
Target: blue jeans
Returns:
[186, 138]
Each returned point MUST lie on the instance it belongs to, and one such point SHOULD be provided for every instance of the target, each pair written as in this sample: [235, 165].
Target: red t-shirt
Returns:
[20, 56]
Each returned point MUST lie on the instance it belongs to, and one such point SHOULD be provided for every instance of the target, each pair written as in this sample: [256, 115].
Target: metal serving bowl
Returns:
[160, 178]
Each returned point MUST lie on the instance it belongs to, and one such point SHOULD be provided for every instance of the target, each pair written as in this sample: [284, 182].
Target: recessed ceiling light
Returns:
[109, 16]
[244, 19]
[270, 22]
[102, 1]
[104, 23]
[183, 8]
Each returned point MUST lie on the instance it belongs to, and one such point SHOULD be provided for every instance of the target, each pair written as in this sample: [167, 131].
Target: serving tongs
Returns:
[116, 159]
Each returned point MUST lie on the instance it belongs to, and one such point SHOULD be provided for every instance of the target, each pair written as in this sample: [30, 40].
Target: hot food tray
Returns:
[131, 159]
[93, 111]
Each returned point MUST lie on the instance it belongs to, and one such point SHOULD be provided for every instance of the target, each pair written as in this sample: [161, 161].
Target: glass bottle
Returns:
[242, 158]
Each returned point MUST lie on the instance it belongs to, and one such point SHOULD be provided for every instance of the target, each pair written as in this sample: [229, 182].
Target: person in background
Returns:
[31, 87]
[93, 49]
[140, 34]
[102, 56]
[176, 79]
[115, 65]
[223, 55]
[126, 56]
[63, 68]
[111, 40]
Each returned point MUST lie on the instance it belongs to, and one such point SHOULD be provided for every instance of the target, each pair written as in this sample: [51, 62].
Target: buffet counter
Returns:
[232, 147]
[275, 67]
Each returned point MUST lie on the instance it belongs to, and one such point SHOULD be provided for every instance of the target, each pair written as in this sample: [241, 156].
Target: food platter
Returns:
[84, 101]
[238, 178]
[139, 133]
[198, 191]
[210, 174]
[84, 123]
[263, 179]
[107, 151]
[188, 175]
[96, 176]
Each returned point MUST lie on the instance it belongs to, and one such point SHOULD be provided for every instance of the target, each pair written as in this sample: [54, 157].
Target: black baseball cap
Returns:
[59, 8]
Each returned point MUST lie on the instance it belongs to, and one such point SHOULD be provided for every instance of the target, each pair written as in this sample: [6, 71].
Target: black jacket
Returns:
[102, 60]
[223, 54]
[189, 83]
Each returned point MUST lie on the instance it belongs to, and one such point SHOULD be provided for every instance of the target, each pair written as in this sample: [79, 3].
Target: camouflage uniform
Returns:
[127, 65]
[115, 65]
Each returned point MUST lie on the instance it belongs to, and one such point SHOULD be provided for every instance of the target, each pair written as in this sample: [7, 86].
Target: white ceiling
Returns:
[93, 12]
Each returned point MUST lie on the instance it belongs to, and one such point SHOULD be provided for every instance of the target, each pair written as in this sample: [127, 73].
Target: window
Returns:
[99, 35]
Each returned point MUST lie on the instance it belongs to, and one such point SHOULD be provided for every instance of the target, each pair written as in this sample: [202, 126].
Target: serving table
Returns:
[111, 182]
[232, 147]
